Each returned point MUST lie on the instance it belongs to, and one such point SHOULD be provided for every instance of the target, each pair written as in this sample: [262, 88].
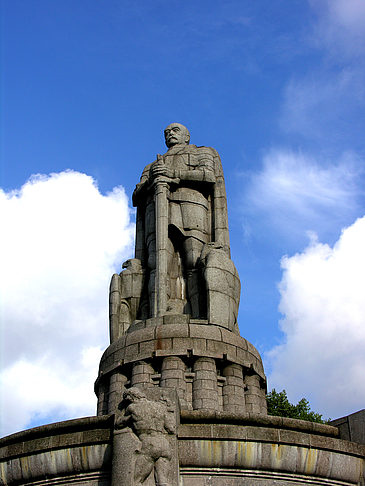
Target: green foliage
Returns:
[278, 404]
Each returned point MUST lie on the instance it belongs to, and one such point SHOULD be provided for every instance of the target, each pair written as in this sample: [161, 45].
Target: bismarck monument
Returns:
[181, 395]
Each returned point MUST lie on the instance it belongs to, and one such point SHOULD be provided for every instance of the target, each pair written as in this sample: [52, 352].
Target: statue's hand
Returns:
[160, 170]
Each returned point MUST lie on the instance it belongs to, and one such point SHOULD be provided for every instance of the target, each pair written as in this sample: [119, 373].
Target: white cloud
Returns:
[340, 27]
[322, 299]
[325, 105]
[296, 194]
[61, 241]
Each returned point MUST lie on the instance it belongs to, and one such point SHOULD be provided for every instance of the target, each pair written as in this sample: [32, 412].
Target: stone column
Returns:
[233, 389]
[142, 374]
[205, 389]
[116, 387]
[173, 376]
[255, 395]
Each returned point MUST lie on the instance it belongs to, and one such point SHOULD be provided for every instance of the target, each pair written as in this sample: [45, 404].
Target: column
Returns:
[173, 376]
[255, 395]
[233, 389]
[205, 390]
[142, 374]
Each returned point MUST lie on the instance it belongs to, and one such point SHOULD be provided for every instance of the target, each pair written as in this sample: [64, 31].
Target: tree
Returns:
[278, 404]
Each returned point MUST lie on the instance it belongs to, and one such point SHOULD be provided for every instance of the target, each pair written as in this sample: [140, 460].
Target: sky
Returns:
[87, 87]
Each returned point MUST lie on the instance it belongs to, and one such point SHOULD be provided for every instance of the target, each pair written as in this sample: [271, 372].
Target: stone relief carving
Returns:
[152, 422]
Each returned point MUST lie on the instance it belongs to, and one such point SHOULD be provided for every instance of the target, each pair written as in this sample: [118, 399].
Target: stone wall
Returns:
[352, 427]
[214, 449]
[76, 451]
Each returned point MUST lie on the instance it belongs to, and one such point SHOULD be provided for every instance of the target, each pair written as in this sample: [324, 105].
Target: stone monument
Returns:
[174, 307]
[181, 395]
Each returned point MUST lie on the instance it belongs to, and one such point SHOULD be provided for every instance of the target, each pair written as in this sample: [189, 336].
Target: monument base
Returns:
[214, 449]
[210, 367]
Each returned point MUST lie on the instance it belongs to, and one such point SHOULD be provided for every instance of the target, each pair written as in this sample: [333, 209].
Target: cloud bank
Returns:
[294, 193]
[61, 241]
[322, 300]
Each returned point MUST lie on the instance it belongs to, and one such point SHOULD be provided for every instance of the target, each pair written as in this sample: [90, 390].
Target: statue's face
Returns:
[176, 134]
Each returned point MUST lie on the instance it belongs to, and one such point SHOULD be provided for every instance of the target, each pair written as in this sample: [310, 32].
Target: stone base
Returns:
[210, 367]
[214, 449]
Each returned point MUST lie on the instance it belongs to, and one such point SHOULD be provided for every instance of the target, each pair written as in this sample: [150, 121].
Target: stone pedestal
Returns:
[214, 449]
[210, 367]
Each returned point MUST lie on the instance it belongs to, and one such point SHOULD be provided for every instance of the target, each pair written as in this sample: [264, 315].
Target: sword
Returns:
[161, 225]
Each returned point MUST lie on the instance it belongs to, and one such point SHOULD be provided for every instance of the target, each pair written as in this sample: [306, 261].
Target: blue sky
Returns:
[276, 87]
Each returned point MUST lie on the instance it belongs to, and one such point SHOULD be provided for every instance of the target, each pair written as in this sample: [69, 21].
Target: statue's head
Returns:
[133, 394]
[176, 134]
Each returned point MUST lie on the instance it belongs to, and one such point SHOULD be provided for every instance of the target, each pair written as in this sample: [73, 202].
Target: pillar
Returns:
[233, 389]
[205, 389]
[142, 374]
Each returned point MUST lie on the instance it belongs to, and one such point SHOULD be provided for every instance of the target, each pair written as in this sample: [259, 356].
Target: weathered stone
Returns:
[146, 446]
[352, 427]
[181, 211]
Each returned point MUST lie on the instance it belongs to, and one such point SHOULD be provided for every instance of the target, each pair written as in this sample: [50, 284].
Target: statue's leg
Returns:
[162, 468]
[142, 469]
[192, 251]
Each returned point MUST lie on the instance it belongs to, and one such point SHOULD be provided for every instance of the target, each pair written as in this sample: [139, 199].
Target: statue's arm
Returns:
[142, 185]
[197, 175]
[204, 171]
[122, 421]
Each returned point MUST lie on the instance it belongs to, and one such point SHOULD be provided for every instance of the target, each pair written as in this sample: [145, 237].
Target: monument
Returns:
[181, 395]
[174, 307]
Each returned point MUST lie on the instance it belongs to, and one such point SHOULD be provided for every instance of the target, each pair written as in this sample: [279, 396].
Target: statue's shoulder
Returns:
[207, 150]
[146, 170]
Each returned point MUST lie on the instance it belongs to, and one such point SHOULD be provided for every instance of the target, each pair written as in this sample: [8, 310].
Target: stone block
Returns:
[216, 347]
[181, 344]
[206, 332]
[205, 384]
[172, 330]
[173, 363]
[164, 344]
[202, 393]
[176, 319]
[207, 374]
[146, 349]
[174, 373]
[154, 321]
[131, 353]
[145, 334]
[199, 346]
[209, 403]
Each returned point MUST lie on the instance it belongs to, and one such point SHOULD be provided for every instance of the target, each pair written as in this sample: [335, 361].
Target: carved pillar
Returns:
[205, 390]
[116, 386]
[173, 376]
[142, 374]
[233, 389]
[255, 396]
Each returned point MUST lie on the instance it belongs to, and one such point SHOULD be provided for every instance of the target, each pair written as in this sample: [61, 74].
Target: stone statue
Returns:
[152, 422]
[125, 297]
[181, 223]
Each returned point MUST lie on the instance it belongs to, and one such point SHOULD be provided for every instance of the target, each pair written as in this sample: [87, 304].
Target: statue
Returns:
[181, 224]
[152, 422]
[125, 297]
